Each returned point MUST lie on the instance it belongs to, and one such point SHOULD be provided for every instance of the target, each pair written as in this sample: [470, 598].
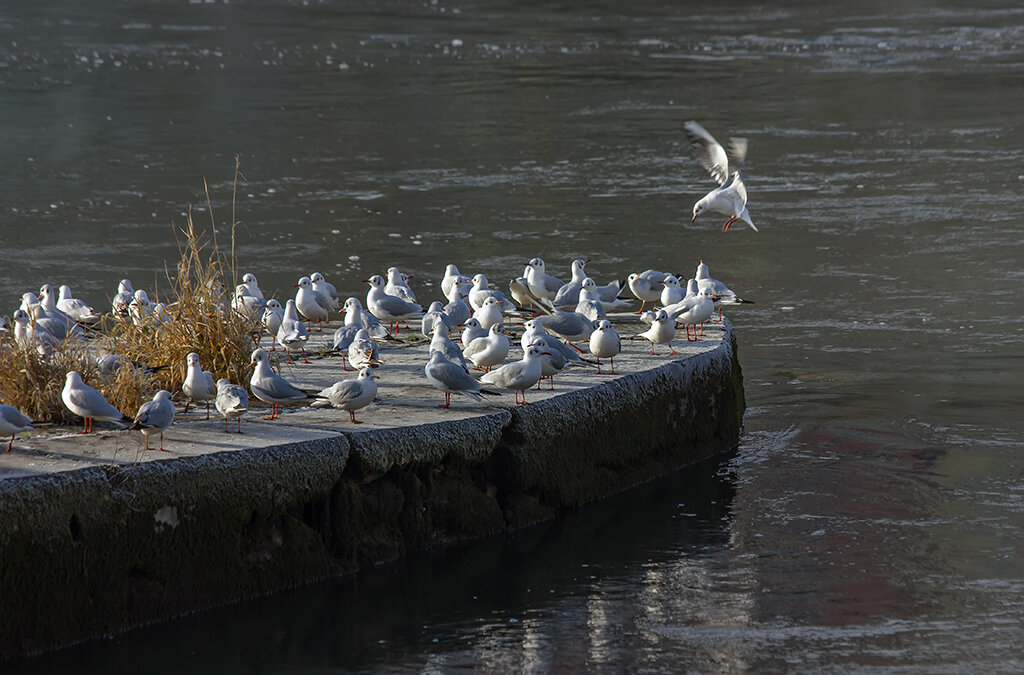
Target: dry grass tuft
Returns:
[198, 318]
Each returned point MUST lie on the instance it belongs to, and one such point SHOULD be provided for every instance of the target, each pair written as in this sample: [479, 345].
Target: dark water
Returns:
[873, 515]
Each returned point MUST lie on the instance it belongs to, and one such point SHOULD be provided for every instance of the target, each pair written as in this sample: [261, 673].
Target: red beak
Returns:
[694, 219]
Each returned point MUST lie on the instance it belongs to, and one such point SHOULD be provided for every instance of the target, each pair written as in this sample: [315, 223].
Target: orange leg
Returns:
[352, 416]
[447, 400]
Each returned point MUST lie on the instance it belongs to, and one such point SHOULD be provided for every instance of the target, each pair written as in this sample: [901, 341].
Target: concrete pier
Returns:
[98, 535]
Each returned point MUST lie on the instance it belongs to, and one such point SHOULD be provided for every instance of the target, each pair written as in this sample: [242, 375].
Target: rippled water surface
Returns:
[872, 516]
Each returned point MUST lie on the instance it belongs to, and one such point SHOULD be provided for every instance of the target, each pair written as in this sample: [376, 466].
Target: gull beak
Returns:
[694, 219]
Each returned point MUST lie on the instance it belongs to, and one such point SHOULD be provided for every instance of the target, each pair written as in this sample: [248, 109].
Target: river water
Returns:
[872, 516]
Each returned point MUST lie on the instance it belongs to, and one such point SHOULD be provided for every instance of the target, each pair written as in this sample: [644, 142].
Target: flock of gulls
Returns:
[564, 324]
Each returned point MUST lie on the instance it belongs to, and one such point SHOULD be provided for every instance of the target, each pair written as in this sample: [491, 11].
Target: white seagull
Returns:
[489, 350]
[398, 285]
[89, 404]
[198, 385]
[311, 304]
[605, 343]
[349, 395]
[273, 313]
[725, 295]
[12, 421]
[730, 197]
[471, 331]
[292, 332]
[661, 332]
[232, 402]
[125, 294]
[269, 387]
[646, 286]
[569, 294]
[389, 308]
[155, 416]
[362, 353]
[326, 289]
[673, 292]
[451, 378]
[518, 375]
[540, 283]
[77, 309]
[440, 342]
[251, 287]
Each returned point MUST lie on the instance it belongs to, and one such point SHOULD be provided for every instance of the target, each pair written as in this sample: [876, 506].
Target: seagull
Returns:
[362, 353]
[198, 385]
[246, 305]
[730, 198]
[326, 289]
[540, 283]
[252, 288]
[440, 342]
[269, 387]
[662, 331]
[311, 304]
[88, 403]
[518, 375]
[570, 326]
[569, 294]
[155, 416]
[451, 378]
[535, 331]
[551, 363]
[724, 294]
[29, 333]
[481, 291]
[77, 309]
[519, 288]
[488, 350]
[589, 302]
[592, 292]
[125, 294]
[451, 275]
[398, 285]
[350, 395]
[48, 302]
[388, 307]
[489, 313]
[672, 292]
[354, 323]
[434, 313]
[605, 343]
[372, 324]
[160, 313]
[646, 286]
[12, 421]
[471, 331]
[232, 401]
[140, 308]
[456, 310]
[695, 313]
[273, 314]
[292, 332]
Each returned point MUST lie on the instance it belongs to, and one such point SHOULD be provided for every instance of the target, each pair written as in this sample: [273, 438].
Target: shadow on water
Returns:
[452, 604]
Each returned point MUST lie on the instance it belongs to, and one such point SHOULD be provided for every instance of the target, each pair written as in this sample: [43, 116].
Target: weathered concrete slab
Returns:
[99, 535]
